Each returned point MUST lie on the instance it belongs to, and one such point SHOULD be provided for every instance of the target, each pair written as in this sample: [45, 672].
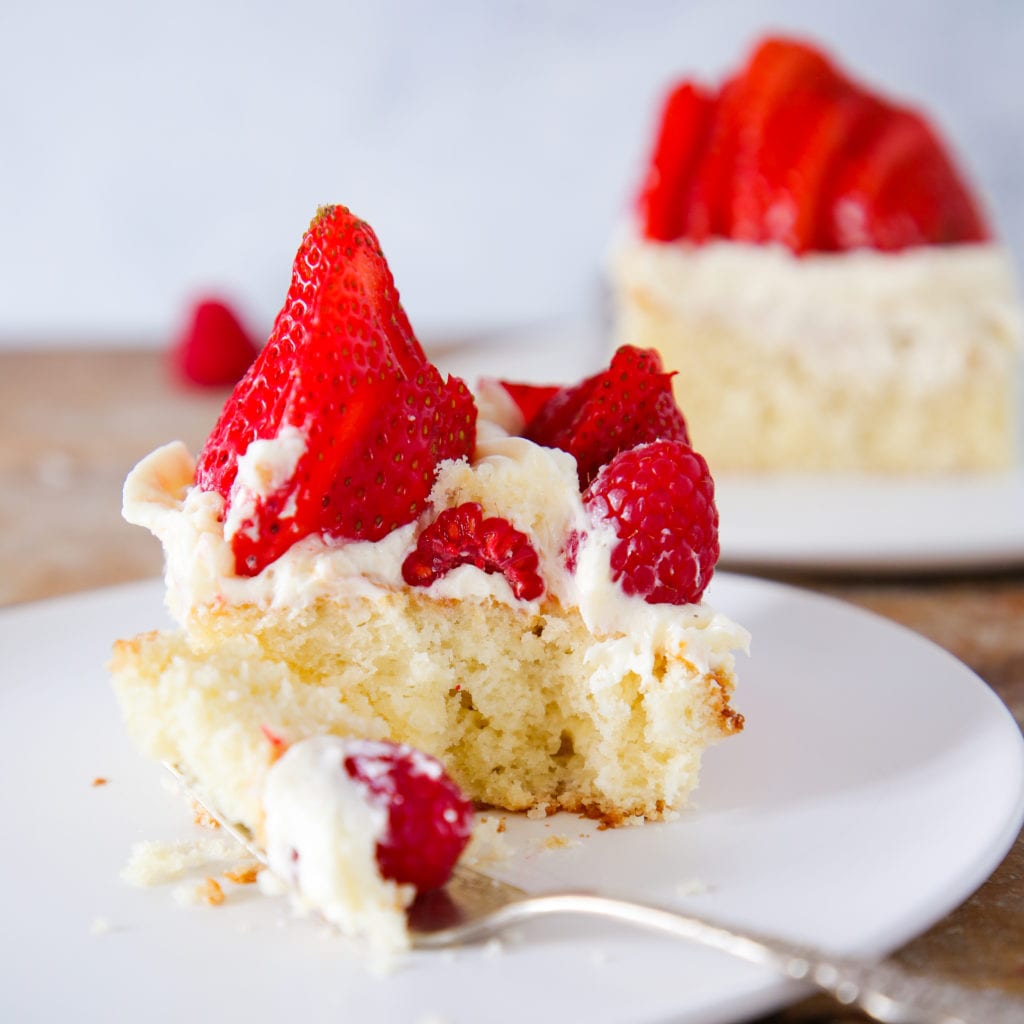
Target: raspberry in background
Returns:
[660, 500]
[214, 349]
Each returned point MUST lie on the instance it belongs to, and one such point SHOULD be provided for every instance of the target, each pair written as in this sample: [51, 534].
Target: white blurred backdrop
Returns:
[153, 152]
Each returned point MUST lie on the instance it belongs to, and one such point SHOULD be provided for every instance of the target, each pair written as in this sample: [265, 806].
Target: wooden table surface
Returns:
[74, 422]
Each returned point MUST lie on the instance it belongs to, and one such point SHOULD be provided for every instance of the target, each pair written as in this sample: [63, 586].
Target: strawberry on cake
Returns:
[511, 584]
[809, 257]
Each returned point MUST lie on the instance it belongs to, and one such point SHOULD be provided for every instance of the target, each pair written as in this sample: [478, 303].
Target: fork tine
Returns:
[240, 833]
[468, 896]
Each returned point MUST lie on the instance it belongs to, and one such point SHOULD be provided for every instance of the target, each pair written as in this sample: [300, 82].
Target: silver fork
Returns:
[473, 907]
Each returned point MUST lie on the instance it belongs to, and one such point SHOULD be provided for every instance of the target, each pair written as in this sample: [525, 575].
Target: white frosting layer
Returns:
[534, 487]
[926, 313]
[322, 829]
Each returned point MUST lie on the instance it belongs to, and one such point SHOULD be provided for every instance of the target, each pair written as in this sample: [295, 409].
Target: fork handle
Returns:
[884, 991]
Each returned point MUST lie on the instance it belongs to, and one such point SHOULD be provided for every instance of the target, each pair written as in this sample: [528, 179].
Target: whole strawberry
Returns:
[628, 404]
[356, 417]
[660, 500]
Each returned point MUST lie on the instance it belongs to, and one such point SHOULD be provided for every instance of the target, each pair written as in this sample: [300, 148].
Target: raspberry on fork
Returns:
[429, 820]
[356, 828]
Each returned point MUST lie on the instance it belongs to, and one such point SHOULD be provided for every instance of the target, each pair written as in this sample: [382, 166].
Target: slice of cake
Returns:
[809, 257]
[362, 549]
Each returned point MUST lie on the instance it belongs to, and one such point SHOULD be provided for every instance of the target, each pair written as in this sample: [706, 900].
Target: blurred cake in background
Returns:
[810, 259]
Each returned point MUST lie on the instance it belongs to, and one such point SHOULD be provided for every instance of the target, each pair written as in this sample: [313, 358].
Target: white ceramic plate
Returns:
[872, 524]
[806, 521]
[877, 784]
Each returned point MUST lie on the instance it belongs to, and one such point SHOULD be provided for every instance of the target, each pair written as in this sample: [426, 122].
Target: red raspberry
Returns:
[660, 499]
[215, 349]
[461, 536]
[429, 820]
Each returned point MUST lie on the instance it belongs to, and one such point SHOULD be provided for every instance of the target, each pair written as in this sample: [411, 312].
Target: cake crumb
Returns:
[492, 948]
[560, 842]
[502, 823]
[212, 892]
[244, 874]
[188, 894]
[153, 862]
[486, 845]
[191, 894]
[691, 887]
[101, 926]
[100, 781]
[203, 818]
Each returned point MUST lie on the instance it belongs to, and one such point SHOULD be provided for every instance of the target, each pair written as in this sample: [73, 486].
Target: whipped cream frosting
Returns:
[322, 828]
[532, 486]
[926, 313]
[266, 466]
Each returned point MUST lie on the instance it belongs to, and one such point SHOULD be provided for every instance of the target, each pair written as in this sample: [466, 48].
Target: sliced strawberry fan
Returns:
[791, 150]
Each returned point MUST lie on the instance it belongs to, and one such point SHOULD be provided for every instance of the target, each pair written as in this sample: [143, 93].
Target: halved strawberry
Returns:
[629, 403]
[343, 369]
[684, 128]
